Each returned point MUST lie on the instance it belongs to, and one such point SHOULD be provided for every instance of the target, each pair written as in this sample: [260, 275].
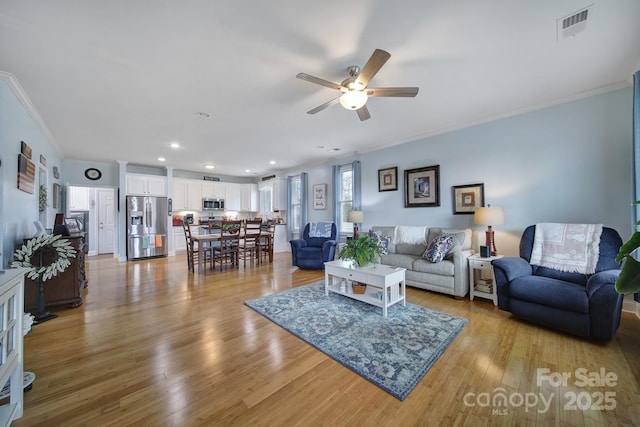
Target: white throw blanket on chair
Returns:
[567, 247]
[320, 229]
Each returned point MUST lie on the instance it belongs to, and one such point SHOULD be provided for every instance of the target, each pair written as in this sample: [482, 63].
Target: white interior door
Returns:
[106, 220]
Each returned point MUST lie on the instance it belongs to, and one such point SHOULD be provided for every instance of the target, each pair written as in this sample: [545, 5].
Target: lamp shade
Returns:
[488, 216]
[355, 217]
[353, 99]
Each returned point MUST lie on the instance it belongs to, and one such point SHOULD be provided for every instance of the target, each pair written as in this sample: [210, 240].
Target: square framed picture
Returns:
[466, 198]
[388, 179]
[422, 187]
[320, 196]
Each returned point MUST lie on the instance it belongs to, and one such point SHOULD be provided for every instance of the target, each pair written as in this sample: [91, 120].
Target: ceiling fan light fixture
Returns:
[353, 99]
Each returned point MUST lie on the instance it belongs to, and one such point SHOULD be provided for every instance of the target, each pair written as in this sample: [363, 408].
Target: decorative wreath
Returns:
[49, 243]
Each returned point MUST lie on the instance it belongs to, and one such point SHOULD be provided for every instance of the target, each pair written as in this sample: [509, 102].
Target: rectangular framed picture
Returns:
[72, 225]
[320, 196]
[56, 196]
[26, 174]
[388, 179]
[422, 187]
[466, 198]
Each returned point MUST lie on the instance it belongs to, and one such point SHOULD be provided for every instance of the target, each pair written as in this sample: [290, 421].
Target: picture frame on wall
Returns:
[422, 187]
[388, 179]
[320, 196]
[56, 195]
[466, 198]
[26, 174]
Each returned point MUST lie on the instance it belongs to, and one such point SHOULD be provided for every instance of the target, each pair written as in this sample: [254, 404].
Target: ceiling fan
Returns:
[354, 88]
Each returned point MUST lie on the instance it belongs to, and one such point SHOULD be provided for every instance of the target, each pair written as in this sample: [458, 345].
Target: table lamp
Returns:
[489, 216]
[356, 217]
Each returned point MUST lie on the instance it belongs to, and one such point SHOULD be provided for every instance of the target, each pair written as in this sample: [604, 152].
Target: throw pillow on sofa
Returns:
[438, 248]
[382, 241]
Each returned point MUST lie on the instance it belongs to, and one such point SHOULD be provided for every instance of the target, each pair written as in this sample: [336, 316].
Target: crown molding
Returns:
[20, 93]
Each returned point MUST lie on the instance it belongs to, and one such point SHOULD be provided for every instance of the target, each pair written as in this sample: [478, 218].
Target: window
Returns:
[296, 202]
[266, 200]
[345, 197]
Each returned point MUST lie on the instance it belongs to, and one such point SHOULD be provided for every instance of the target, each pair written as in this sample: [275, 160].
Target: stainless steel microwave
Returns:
[209, 204]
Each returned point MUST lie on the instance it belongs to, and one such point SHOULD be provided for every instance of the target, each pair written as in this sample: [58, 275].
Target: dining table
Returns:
[201, 240]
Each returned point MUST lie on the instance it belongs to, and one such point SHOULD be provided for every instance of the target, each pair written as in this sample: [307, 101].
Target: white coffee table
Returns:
[385, 278]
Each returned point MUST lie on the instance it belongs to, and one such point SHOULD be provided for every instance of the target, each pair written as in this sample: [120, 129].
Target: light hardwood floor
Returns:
[156, 345]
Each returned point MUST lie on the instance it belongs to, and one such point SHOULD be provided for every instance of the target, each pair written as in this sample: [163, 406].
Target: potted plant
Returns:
[362, 251]
[629, 279]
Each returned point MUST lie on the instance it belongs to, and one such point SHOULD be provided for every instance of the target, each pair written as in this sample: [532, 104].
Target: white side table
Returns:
[482, 287]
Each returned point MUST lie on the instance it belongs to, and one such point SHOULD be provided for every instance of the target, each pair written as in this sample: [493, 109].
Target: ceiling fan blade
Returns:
[373, 65]
[363, 113]
[317, 80]
[392, 91]
[325, 105]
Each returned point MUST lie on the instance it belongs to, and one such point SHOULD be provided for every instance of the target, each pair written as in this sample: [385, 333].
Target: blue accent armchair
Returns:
[583, 305]
[312, 252]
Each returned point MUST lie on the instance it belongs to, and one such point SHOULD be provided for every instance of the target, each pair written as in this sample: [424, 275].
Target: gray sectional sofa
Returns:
[405, 249]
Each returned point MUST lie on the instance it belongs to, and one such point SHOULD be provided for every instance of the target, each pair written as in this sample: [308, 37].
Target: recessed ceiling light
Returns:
[209, 166]
[247, 170]
[320, 146]
[161, 159]
[272, 162]
[203, 115]
[175, 145]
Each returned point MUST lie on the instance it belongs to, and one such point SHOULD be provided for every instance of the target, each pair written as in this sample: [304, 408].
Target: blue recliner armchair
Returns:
[312, 252]
[583, 305]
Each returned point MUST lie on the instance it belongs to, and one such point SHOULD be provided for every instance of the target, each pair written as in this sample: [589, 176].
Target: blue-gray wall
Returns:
[18, 209]
[565, 163]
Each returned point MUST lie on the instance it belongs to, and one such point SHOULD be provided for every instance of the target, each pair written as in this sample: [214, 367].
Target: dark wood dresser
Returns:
[65, 288]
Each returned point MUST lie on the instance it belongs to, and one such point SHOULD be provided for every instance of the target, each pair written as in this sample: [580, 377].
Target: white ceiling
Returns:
[120, 80]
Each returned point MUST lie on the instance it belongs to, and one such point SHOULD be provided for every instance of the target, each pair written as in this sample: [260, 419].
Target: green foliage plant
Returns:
[362, 251]
[629, 279]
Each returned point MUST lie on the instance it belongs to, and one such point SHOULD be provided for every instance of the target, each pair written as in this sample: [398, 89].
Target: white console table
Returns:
[11, 334]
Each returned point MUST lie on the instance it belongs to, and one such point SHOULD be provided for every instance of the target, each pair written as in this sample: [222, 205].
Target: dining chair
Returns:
[270, 227]
[250, 241]
[214, 227]
[228, 250]
[192, 254]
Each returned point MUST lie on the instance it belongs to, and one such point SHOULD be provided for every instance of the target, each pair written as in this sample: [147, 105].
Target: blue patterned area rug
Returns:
[394, 352]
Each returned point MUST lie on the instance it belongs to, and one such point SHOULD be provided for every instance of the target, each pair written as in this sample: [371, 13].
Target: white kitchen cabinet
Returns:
[179, 241]
[179, 195]
[233, 197]
[194, 195]
[279, 194]
[186, 195]
[146, 185]
[213, 189]
[11, 342]
[249, 197]
[79, 199]
[280, 241]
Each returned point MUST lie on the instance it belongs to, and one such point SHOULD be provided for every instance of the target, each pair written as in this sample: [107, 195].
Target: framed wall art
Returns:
[56, 196]
[422, 187]
[320, 196]
[25, 149]
[466, 198]
[388, 179]
[26, 174]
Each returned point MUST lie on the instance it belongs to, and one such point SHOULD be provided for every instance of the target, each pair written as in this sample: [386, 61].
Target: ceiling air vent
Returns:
[575, 23]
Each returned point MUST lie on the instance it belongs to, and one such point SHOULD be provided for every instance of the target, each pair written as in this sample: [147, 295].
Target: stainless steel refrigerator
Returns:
[147, 227]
